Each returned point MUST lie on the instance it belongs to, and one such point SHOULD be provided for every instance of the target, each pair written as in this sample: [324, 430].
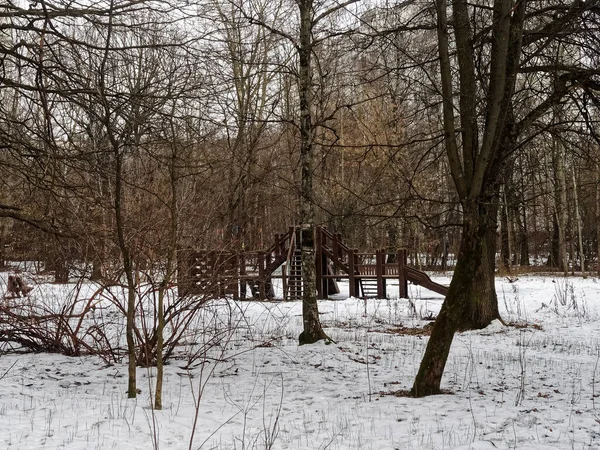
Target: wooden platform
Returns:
[217, 273]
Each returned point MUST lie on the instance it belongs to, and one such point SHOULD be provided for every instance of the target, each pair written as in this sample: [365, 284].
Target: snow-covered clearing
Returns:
[533, 387]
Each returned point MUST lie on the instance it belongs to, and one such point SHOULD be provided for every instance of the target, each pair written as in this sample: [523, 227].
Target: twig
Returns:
[13, 365]
[593, 380]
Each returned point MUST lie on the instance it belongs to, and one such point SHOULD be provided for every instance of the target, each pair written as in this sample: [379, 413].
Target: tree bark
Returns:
[313, 331]
[129, 276]
[471, 301]
[579, 228]
[598, 217]
[506, 234]
[523, 228]
[468, 296]
[97, 274]
[560, 202]
[482, 309]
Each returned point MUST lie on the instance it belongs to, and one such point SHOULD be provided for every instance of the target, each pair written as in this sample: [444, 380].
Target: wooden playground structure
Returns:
[237, 273]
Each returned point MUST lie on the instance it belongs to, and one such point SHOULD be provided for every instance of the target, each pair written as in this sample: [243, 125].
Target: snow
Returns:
[531, 385]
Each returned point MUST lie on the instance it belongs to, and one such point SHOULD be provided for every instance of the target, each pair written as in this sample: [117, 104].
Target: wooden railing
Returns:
[221, 273]
[359, 266]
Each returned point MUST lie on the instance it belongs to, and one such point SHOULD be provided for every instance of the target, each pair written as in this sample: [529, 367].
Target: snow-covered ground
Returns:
[536, 386]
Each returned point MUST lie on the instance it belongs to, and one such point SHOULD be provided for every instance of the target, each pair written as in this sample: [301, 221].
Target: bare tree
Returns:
[477, 152]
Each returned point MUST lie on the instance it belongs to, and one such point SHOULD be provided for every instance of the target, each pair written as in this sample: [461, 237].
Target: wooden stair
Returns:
[368, 288]
[294, 283]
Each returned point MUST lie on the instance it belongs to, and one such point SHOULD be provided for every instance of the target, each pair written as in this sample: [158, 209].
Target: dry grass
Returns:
[411, 331]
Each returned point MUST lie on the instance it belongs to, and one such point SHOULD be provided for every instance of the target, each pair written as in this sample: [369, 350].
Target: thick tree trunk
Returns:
[470, 303]
[483, 307]
[56, 261]
[97, 274]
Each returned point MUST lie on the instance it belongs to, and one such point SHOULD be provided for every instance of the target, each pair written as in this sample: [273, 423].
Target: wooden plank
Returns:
[352, 282]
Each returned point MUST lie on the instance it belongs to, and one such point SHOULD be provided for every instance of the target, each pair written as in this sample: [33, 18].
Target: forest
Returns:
[206, 113]
[464, 132]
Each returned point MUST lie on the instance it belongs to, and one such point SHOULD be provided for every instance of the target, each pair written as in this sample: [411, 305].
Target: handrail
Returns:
[330, 236]
[291, 249]
[284, 237]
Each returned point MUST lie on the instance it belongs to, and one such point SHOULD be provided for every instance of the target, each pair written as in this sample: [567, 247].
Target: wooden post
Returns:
[284, 280]
[352, 281]
[335, 246]
[403, 283]
[379, 259]
[321, 293]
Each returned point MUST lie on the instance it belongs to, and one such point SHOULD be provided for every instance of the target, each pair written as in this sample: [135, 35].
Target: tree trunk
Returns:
[467, 297]
[524, 242]
[523, 229]
[578, 221]
[313, 331]
[310, 312]
[97, 274]
[505, 247]
[170, 269]
[392, 238]
[554, 256]
[129, 275]
[483, 307]
[598, 217]
[160, 340]
[560, 201]
[471, 301]
[2, 254]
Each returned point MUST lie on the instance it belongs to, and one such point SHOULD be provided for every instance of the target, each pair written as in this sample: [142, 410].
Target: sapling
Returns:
[594, 378]
[522, 344]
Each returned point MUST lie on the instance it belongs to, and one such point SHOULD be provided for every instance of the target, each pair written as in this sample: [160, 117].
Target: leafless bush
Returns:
[77, 324]
[44, 323]
[181, 315]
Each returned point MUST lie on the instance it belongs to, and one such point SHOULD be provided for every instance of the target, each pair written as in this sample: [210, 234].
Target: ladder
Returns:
[294, 284]
[368, 288]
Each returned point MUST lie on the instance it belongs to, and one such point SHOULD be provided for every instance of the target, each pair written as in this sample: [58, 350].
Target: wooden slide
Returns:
[422, 279]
